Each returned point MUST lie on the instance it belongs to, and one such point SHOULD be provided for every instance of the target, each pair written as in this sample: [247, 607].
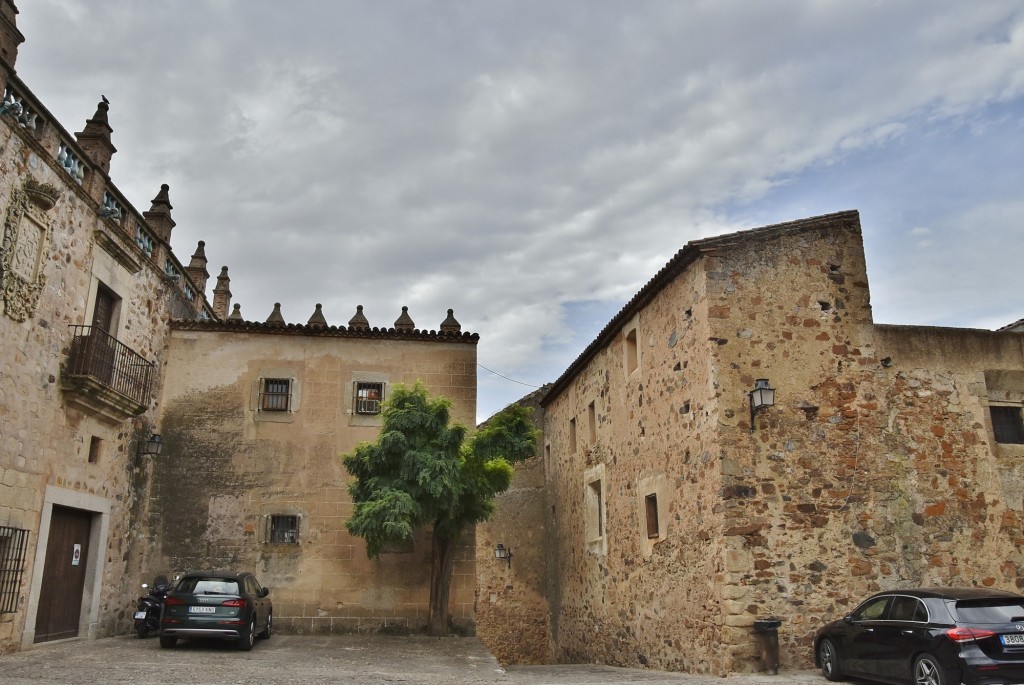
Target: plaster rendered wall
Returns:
[228, 468]
[623, 598]
[46, 443]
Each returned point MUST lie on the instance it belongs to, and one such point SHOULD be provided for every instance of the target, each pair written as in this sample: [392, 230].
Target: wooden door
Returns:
[102, 351]
[60, 597]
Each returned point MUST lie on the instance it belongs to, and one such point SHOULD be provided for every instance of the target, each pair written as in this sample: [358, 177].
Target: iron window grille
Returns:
[13, 544]
[368, 398]
[276, 394]
[284, 529]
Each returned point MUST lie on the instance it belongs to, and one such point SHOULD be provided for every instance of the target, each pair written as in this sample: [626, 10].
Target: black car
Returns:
[217, 605]
[928, 636]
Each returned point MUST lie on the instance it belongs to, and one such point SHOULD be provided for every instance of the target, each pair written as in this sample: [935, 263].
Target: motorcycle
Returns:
[147, 614]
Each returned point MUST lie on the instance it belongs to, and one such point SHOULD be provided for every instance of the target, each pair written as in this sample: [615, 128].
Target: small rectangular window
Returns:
[632, 354]
[368, 397]
[592, 423]
[276, 394]
[572, 435]
[13, 544]
[651, 506]
[1007, 425]
[95, 444]
[284, 529]
[595, 510]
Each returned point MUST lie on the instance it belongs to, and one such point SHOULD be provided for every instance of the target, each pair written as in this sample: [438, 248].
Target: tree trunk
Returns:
[440, 582]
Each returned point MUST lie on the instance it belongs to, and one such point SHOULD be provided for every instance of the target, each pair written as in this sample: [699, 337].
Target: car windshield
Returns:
[990, 611]
[209, 585]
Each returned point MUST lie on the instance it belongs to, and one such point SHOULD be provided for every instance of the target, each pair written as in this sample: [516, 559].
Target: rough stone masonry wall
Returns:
[42, 442]
[627, 599]
[512, 614]
[226, 472]
[865, 475]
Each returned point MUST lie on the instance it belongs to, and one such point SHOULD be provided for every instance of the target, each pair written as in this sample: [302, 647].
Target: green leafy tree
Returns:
[425, 470]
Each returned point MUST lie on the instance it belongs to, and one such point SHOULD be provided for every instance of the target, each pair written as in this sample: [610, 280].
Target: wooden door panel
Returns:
[60, 597]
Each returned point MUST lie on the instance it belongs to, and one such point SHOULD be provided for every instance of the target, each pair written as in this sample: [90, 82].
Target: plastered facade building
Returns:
[675, 518]
[255, 417]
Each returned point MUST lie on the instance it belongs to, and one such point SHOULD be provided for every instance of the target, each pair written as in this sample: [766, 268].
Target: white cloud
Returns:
[508, 160]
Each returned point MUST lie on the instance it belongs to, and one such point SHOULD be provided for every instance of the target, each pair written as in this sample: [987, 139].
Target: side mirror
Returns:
[848, 618]
[264, 592]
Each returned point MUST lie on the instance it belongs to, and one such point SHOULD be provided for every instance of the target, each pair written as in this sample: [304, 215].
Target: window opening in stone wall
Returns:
[275, 395]
[595, 510]
[651, 507]
[13, 544]
[631, 352]
[95, 446]
[1007, 424]
[368, 397]
[284, 529]
[592, 423]
[572, 435]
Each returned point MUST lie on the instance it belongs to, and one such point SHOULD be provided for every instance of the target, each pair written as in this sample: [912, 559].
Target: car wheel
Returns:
[265, 634]
[248, 638]
[927, 671]
[168, 642]
[828, 660]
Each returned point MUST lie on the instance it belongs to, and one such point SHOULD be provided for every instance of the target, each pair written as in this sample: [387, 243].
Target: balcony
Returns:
[104, 377]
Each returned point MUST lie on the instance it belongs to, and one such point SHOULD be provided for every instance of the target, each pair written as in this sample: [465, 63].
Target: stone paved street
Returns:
[294, 660]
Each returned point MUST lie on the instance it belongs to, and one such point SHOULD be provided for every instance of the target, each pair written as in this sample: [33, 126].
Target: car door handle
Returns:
[908, 632]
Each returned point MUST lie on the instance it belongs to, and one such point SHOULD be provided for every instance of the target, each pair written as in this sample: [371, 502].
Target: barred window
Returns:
[13, 543]
[275, 394]
[368, 397]
[284, 529]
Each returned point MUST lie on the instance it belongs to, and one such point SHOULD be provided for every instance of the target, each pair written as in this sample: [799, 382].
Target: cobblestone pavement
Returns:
[294, 660]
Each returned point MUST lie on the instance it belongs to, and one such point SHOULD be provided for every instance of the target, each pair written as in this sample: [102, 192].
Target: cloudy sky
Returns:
[532, 163]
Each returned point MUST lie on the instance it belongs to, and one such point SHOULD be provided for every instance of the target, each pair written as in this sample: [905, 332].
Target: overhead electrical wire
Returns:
[513, 380]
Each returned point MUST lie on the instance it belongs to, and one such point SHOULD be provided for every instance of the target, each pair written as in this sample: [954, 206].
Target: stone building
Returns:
[675, 516]
[109, 342]
[87, 284]
[254, 418]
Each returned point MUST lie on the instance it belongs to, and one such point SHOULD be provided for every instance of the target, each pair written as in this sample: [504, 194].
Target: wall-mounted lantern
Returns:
[761, 397]
[152, 447]
[503, 552]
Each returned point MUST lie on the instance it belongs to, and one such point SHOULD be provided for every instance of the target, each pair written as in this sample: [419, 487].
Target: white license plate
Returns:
[1016, 640]
[140, 614]
[202, 610]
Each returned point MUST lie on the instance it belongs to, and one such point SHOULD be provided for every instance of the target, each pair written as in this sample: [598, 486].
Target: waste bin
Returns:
[767, 630]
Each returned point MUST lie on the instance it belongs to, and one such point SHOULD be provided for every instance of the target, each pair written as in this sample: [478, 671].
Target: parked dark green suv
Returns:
[217, 605]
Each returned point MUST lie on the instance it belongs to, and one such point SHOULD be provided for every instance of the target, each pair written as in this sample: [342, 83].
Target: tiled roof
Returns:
[675, 266]
[319, 331]
[1015, 326]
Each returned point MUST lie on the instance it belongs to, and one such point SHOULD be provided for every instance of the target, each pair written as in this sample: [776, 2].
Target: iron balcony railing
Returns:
[99, 355]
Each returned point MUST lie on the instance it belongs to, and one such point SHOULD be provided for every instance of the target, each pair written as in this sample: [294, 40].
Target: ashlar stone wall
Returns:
[53, 453]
